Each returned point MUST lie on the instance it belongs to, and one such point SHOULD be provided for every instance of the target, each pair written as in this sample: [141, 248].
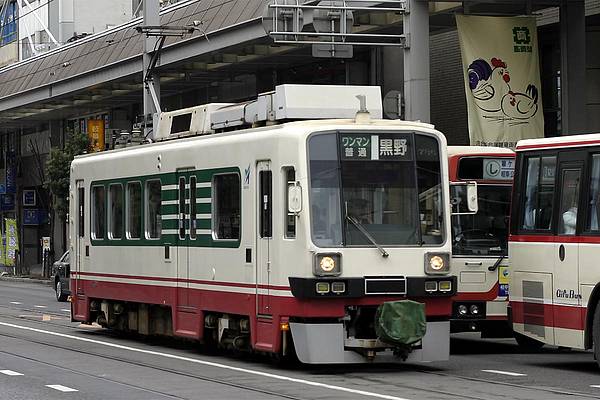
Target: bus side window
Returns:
[538, 201]
[593, 214]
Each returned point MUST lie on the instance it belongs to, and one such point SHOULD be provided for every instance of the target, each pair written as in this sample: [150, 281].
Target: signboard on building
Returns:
[95, 130]
[7, 202]
[34, 216]
[12, 241]
[29, 198]
[502, 79]
[11, 173]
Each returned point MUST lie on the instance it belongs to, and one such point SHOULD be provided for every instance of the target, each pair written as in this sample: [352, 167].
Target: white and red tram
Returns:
[257, 238]
[555, 242]
[480, 240]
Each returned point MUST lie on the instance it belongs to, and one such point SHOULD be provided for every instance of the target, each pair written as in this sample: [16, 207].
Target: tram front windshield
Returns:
[484, 233]
[369, 188]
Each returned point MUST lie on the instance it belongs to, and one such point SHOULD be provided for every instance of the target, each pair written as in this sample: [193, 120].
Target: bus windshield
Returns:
[485, 233]
[381, 188]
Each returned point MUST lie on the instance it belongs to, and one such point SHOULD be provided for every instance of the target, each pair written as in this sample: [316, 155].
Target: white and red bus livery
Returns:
[555, 241]
[260, 234]
[480, 240]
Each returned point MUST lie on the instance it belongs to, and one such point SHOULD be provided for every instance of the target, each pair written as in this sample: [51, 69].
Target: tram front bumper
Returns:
[327, 344]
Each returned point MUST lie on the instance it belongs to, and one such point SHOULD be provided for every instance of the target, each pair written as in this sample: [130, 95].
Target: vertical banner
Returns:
[12, 241]
[96, 134]
[502, 79]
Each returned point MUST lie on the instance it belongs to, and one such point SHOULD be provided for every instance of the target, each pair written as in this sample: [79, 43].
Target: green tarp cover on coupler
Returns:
[400, 322]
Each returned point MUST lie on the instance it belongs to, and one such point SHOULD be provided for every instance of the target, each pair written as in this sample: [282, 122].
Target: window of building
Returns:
[98, 212]
[115, 216]
[538, 201]
[8, 23]
[290, 218]
[134, 210]
[226, 206]
[153, 209]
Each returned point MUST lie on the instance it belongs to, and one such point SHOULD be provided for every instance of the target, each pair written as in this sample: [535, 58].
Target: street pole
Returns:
[416, 61]
[151, 18]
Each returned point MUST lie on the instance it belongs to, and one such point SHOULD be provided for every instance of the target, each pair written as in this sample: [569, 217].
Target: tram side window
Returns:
[226, 206]
[539, 193]
[593, 215]
[99, 212]
[134, 210]
[80, 206]
[153, 209]
[290, 218]
[115, 215]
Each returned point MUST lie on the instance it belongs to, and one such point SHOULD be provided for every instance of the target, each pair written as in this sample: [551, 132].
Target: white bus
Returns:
[244, 230]
[555, 242]
[480, 240]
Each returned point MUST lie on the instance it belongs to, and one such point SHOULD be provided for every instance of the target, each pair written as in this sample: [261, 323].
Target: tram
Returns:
[554, 242]
[267, 226]
[480, 240]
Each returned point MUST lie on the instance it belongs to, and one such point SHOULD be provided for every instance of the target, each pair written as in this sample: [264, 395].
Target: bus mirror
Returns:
[294, 202]
[463, 198]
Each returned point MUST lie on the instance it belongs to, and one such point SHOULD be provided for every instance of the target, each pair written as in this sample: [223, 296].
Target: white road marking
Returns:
[211, 364]
[595, 386]
[10, 373]
[40, 306]
[16, 302]
[62, 388]
[65, 309]
[494, 371]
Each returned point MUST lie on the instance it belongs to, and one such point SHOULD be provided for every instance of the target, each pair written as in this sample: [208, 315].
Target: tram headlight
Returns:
[437, 263]
[327, 265]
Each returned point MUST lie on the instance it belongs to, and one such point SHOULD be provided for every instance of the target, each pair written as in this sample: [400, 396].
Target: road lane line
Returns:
[595, 386]
[16, 303]
[10, 373]
[65, 309]
[62, 388]
[40, 306]
[210, 364]
[495, 371]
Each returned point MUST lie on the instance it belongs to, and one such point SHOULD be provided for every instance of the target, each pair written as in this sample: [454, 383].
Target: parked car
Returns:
[60, 274]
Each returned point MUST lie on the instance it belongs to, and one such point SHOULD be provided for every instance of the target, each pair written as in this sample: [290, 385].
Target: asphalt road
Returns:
[45, 356]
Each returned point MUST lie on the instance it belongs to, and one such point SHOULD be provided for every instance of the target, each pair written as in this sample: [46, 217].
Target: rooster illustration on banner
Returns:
[490, 87]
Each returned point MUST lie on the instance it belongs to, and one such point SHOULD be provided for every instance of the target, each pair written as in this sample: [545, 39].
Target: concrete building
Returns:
[36, 26]
[231, 57]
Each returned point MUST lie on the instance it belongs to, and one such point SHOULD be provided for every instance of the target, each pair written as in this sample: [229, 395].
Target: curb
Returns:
[46, 282]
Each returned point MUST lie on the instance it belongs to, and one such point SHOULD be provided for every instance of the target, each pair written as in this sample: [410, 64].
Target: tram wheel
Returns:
[528, 343]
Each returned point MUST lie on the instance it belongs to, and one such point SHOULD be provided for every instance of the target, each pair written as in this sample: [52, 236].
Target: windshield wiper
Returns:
[496, 264]
[362, 230]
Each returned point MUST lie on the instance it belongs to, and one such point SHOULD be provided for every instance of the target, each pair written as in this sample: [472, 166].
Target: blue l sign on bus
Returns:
[498, 168]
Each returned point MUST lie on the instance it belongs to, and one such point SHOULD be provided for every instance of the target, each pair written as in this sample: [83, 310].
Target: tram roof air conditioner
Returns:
[285, 103]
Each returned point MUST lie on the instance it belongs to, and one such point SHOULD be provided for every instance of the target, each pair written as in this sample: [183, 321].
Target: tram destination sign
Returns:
[380, 147]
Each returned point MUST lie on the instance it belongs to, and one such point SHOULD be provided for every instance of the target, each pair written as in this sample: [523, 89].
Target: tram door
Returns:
[79, 234]
[264, 224]
[186, 199]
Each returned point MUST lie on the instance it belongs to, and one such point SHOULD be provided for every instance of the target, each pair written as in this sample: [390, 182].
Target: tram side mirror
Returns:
[463, 198]
[294, 196]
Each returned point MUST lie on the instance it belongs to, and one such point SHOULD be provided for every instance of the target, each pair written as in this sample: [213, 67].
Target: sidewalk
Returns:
[34, 276]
